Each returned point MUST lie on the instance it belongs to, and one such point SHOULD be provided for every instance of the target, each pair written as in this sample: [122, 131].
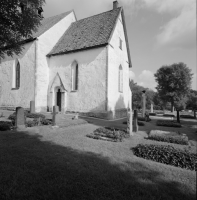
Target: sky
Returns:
[160, 32]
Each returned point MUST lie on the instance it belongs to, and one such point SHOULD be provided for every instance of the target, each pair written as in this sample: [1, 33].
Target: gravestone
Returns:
[20, 118]
[135, 121]
[151, 108]
[55, 112]
[143, 103]
[32, 106]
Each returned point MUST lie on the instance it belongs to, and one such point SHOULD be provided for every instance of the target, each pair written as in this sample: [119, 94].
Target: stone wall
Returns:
[10, 97]
[91, 93]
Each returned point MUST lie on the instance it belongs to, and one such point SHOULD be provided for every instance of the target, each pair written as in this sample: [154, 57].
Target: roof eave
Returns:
[77, 50]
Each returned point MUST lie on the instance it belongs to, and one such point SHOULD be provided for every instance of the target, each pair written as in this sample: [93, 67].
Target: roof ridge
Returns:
[98, 14]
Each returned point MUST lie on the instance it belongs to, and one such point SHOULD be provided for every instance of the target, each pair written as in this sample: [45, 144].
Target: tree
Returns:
[192, 101]
[19, 19]
[174, 83]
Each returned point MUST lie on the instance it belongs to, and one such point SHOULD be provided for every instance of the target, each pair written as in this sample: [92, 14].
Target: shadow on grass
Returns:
[35, 169]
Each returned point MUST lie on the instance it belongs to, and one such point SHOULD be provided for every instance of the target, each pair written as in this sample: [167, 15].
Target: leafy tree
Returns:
[19, 19]
[192, 101]
[174, 83]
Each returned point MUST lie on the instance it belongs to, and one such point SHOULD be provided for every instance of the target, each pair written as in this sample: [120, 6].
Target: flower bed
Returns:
[109, 134]
[168, 123]
[167, 155]
[169, 139]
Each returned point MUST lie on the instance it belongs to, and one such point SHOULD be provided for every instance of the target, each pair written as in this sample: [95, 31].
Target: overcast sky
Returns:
[160, 32]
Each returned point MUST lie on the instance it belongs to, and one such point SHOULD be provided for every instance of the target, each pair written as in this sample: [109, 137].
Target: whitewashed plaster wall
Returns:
[45, 44]
[25, 94]
[117, 57]
[91, 93]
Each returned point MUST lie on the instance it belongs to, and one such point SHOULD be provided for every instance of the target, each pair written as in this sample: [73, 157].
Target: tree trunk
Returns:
[178, 117]
[194, 114]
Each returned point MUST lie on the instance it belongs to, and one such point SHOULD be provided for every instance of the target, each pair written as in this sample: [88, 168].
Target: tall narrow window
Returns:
[120, 44]
[74, 76]
[16, 75]
[120, 79]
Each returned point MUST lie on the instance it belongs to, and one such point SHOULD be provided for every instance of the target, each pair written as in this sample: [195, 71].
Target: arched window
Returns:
[74, 76]
[16, 75]
[120, 84]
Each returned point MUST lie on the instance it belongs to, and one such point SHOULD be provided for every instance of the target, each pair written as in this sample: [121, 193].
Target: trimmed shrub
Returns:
[168, 123]
[140, 123]
[168, 115]
[143, 119]
[46, 122]
[169, 139]
[187, 116]
[152, 114]
[109, 134]
[167, 155]
[5, 125]
[31, 123]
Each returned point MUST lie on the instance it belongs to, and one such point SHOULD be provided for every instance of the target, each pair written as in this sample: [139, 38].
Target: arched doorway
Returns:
[59, 99]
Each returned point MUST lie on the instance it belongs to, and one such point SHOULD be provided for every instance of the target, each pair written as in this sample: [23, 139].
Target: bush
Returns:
[109, 134]
[187, 116]
[168, 115]
[143, 119]
[5, 125]
[140, 123]
[152, 114]
[167, 155]
[32, 123]
[35, 122]
[35, 115]
[168, 123]
[170, 139]
[46, 122]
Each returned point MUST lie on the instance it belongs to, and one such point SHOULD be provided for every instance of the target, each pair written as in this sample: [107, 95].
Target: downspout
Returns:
[106, 93]
[35, 71]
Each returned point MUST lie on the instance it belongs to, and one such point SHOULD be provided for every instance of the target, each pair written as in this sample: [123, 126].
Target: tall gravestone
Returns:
[135, 121]
[54, 118]
[130, 118]
[143, 103]
[32, 106]
[20, 118]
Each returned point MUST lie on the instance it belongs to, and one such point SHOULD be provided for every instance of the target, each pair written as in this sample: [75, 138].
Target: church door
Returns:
[59, 99]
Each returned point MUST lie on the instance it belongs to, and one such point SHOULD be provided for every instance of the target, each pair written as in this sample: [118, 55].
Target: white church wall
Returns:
[10, 97]
[91, 93]
[117, 57]
[45, 44]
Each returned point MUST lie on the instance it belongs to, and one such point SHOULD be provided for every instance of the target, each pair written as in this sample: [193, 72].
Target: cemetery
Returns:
[75, 125]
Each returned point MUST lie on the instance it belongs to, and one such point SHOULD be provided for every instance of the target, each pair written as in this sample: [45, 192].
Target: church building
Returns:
[78, 65]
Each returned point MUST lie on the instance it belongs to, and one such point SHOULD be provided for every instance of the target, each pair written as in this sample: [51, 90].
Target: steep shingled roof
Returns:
[47, 23]
[86, 33]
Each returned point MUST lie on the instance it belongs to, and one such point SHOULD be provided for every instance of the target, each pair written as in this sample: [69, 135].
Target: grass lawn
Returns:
[45, 163]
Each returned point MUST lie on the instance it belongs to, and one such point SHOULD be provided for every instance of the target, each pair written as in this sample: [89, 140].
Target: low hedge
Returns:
[169, 139]
[140, 123]
[168, 123]
[152, 114]
[168, 115]
[167, 155]
[187, 116]
[109, 134]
